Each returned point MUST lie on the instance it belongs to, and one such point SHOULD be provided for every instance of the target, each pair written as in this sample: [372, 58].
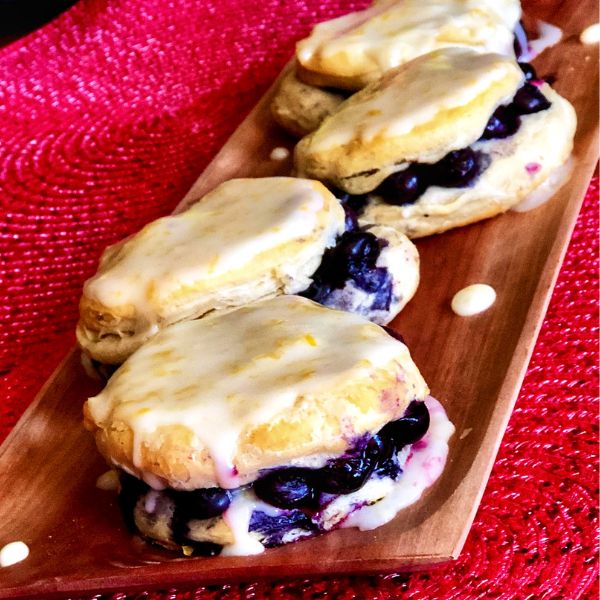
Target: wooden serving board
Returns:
[475, 366]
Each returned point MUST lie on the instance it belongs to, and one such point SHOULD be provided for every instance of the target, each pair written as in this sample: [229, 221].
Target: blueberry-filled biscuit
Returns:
[248, 239]
[450, 138]
[265, 425]
[345, 54]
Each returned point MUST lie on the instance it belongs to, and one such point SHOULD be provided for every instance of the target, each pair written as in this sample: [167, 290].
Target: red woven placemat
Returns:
[108, 114]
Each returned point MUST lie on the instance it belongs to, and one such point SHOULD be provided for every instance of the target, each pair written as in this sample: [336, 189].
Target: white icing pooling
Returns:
[473, 299]
[109, 481]
[444, 80]
[226, 374]
[422, 467]
[392, 32]
[373, 505]
[207, 241]
[591, 34]
[546, 189]
[279, 153]
[13, 553]
[549, 35]
[237, 517]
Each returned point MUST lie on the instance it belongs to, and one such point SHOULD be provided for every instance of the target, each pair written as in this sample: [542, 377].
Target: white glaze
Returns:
[591, 34]
[423, 466]
[109, 481]
[473, 299]
[546, 189]
[392, 32]
[237, 517]
[279, 153]
[549, 35]
[446, 80]
[206, 242]
[13, 553]
[225, 374]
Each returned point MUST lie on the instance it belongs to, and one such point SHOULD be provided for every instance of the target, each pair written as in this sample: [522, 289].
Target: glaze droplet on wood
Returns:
[473, 299]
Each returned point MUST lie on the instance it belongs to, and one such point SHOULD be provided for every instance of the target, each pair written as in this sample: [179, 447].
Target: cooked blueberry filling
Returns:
[353, 259]
[287, 488]
[351, 222]
[528, 71]
[529, 100]
[299, 492]
[349, 472]
[460, 168]
[273, 529]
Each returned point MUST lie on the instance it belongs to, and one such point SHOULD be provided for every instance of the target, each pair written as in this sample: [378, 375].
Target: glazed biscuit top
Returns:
[418, 112]
[259, 377]
[237, 223]
[365, 44]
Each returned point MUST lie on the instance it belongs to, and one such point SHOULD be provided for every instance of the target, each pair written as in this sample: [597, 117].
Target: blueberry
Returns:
[359, 247]
[318, 291]
[202, 503]
[131, 490]
[273, 528]
[410, 428]
[502, 124]
[356, 203]
[348, 473]
[387, 457]
[403, 187]
[370, 280]
[459, 168]
[529, 99]
[351, 222]
[382, 298]
[286, 488]
[528, 70]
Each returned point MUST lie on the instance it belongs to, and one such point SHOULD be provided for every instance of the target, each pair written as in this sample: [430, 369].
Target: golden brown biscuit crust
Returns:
[418, 112]
[333, 393]
[300, 108]
[519, 165]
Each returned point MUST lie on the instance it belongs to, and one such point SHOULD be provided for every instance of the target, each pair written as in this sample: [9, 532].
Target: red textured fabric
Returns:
[108, 114]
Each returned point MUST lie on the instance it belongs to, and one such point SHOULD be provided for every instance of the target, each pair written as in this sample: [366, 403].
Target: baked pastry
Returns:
[357, 49]
[345, 54]
[267, 424]
[372, 271]
[448, 139]
[300, 108]
[246, 240]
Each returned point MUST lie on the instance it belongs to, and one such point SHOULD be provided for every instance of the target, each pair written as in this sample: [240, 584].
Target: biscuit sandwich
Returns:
[343, 55]
[265, 425]
[246, 240]
[448, 139]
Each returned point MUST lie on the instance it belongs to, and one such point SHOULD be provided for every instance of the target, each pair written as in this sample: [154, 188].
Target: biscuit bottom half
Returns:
[365, 487]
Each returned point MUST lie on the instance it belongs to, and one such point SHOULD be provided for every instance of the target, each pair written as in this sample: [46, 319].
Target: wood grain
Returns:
[48, 465]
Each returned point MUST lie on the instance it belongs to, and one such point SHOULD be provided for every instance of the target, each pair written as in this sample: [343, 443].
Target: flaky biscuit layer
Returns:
[519, 165]
[417, 113]
[246, 240]
[356, 49]
[214, 401]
